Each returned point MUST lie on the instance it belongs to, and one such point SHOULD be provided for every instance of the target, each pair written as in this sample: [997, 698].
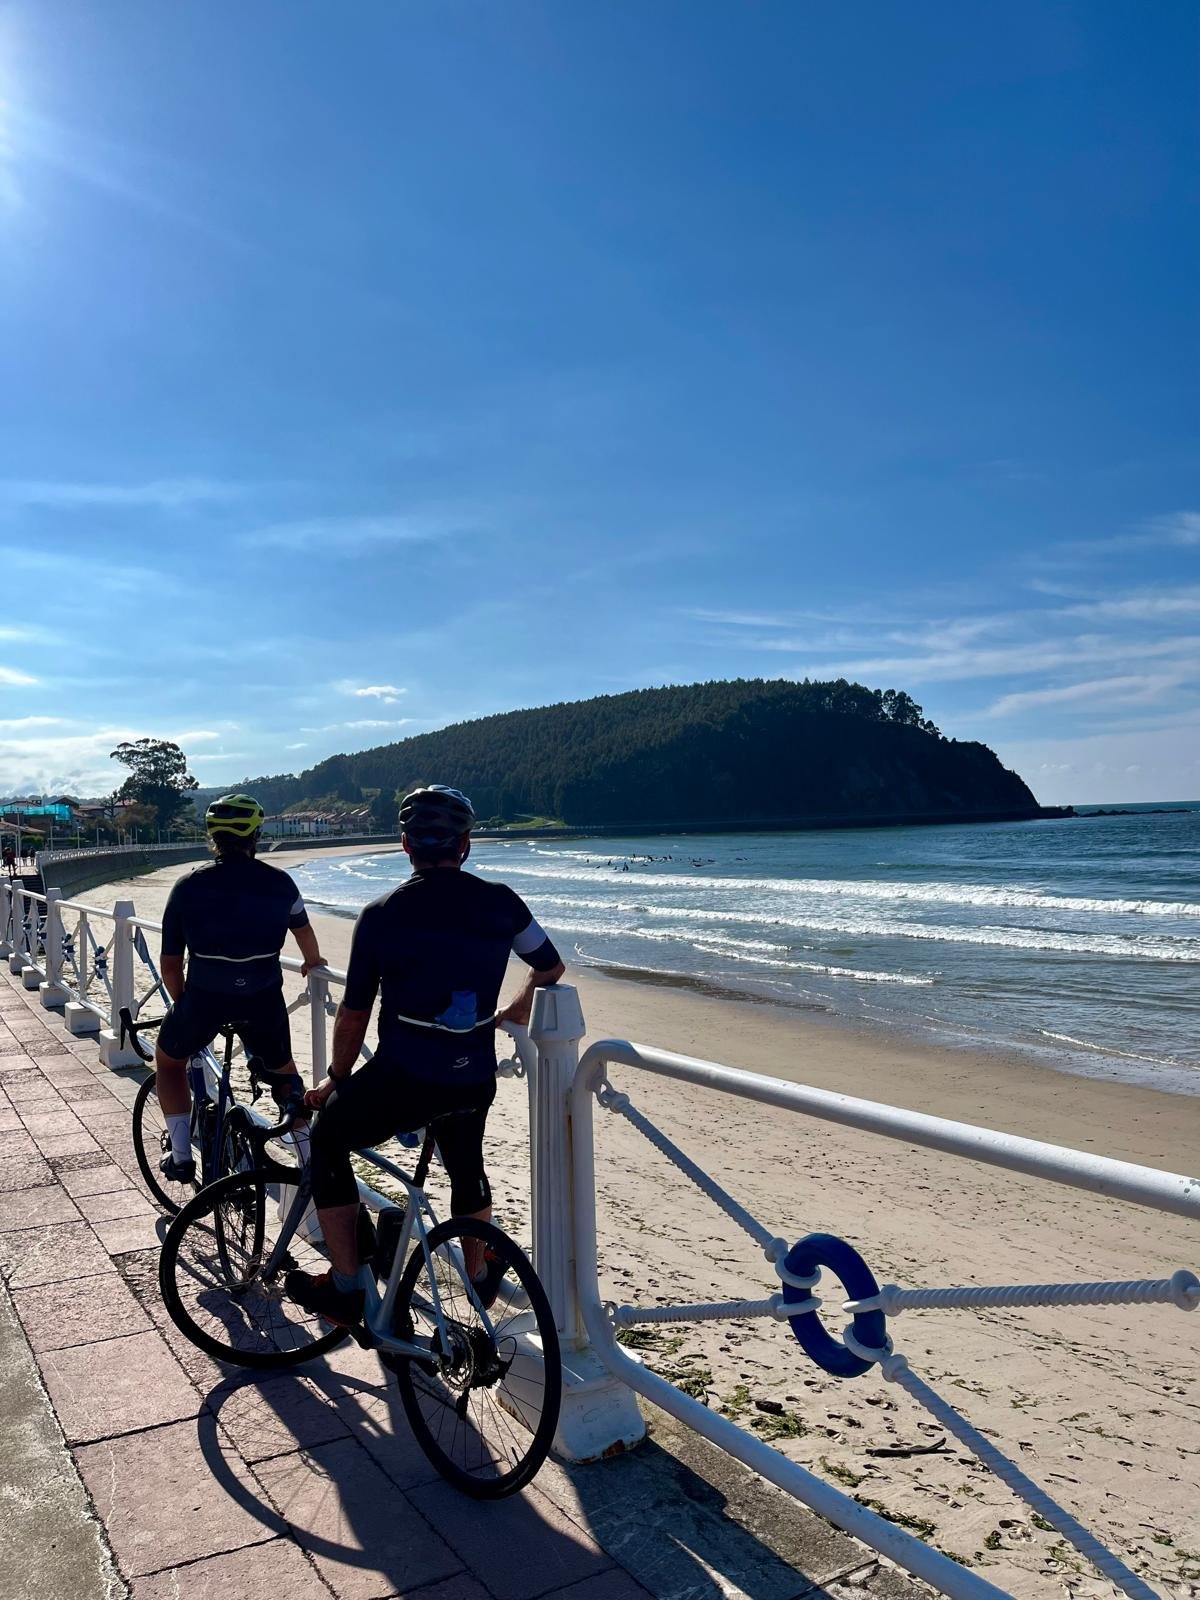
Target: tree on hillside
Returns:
[158, 778]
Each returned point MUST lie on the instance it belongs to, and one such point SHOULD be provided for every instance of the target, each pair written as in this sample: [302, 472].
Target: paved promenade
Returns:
[184, 1480]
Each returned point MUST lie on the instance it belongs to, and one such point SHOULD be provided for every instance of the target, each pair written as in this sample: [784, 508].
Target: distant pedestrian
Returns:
[10, 860]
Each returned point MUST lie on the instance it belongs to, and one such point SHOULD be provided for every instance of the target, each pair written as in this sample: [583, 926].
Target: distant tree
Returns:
[158, 778]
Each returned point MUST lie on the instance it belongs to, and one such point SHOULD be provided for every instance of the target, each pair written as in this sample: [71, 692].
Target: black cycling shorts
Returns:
[260, 1021]
[380, 1100]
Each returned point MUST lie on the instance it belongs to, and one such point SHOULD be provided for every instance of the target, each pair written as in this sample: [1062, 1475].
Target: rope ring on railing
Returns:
[869, 1327]
[611, 1099]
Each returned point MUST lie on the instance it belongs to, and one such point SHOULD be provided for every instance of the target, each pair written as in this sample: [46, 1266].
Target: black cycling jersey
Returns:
[232, 918]
[437, 947]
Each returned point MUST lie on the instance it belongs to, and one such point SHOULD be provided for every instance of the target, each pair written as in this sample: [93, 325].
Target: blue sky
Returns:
[371, 367]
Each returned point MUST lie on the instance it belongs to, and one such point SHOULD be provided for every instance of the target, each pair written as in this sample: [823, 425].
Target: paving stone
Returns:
[168, 1496]
[688, 1513]
[89, 1158]
[48, 1255]
[10, 1122]
[67, 1144]
[32, 1208]
[363, 1536]
[41, 1117]
[142, 1232]
[28, 1089]
[615, 1584]
[261, 1572]
[519, 1547]
[139, 1270]
[79, 1088]
[116, 1386]
[93, 1179]
[112, 1204]
[378, 1422]
[274, 1414]
[28, 1170]
[461, 1587]
[79, 1311]
[48, 1049]
[17, 1142]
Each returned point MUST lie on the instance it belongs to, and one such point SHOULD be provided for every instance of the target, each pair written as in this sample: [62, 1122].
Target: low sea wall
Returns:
[74, 874]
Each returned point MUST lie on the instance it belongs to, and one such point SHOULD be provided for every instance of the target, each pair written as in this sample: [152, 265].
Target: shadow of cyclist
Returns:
[345, 1479]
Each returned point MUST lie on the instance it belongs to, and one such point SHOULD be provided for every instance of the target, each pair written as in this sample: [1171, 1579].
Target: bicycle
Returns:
[223, 1134]
[468, 1379]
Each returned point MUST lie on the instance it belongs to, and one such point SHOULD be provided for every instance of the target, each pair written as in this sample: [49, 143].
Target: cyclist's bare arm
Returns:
[172, 976]
[310, 950]
[518, 1009]
[349, 1031]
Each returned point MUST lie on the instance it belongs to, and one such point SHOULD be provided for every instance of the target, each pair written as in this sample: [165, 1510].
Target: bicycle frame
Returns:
[378, 1309]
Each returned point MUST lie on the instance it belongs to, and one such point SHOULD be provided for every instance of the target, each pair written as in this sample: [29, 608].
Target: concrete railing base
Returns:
[80, 1019]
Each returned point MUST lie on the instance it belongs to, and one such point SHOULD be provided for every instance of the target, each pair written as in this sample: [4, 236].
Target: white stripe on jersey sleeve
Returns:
[298, 909]
[529, 939]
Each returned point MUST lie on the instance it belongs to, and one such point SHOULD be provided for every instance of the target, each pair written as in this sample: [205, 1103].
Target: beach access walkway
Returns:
[135, 1466]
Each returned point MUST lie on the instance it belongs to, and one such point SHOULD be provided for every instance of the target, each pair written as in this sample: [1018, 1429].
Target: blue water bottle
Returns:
[460, 1013]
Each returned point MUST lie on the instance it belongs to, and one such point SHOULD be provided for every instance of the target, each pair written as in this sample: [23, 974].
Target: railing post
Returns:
[112, 1052]
[53, 991]
[599, 1414]
[18, 958]
[6, 928]
[318, 994]
[32, 972]
[80, 1018]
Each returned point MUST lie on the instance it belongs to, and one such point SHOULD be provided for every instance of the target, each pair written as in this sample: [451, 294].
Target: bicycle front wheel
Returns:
[219, 1286]
[484, 1406]
[151, 1142]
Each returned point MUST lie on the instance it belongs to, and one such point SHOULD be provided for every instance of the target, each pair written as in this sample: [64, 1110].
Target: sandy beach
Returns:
[1102, 1406]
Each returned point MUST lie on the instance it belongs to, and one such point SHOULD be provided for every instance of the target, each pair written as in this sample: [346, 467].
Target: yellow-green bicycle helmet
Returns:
[238, 814]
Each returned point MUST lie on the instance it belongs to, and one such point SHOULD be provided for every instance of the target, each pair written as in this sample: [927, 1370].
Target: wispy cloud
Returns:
[1130, 689]
[163, 494]
[1018, 659]
[356, 533]
[361, 722]
[13, 675]
[386, 693]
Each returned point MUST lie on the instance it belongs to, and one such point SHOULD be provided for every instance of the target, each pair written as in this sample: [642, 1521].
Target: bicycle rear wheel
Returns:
[214, 1282]
[484, 1407]
[151, 1142]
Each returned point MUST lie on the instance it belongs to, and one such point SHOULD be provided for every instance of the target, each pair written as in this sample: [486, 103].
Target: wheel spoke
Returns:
[470, 1412]
[215, 1287]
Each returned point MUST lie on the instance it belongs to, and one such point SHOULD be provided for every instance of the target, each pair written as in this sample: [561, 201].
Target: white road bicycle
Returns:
[481, 1388]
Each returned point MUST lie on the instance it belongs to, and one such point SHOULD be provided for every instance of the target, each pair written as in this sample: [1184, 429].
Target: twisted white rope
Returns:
[716, 1311]
[1181, 1289]
[895, 1369]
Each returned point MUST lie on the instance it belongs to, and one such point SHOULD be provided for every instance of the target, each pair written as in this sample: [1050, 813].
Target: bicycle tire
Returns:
[247, 1319]
[519, 1454]
[239, 1152]
[150, 1143]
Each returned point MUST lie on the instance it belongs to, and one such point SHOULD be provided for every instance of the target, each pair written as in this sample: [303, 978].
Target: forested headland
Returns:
[746, 752]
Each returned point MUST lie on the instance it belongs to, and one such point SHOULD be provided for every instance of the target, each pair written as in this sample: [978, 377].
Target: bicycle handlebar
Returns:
[129, 1029]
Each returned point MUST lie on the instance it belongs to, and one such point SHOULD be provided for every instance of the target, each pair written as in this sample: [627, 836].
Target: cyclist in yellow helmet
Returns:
[231, 918]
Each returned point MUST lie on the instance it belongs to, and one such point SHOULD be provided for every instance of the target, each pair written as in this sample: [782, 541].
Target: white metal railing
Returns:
[865, 1342]
[54, 944]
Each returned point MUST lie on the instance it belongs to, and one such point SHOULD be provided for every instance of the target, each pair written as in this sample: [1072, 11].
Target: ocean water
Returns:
[1076, 940]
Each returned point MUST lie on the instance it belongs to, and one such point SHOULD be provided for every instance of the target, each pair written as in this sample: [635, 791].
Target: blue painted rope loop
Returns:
[826, 1250]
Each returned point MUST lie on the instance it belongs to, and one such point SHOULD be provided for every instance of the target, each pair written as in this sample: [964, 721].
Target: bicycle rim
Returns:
[484, 1407]
[151, 1142]
[213, 1282]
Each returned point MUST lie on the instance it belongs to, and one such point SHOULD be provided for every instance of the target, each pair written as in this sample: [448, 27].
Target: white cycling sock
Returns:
[179, 1126]
[299, 1137]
